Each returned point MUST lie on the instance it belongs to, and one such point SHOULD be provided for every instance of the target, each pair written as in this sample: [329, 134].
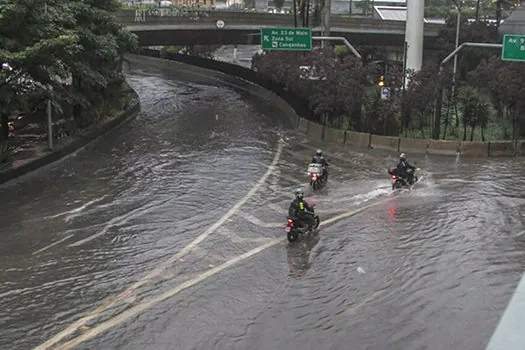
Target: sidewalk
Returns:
[32, 150]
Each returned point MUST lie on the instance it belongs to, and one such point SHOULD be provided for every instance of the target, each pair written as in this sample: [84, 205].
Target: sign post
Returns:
[286, 39]
[513, 48]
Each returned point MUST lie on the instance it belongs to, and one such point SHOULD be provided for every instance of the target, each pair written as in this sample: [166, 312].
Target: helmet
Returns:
[319, 153]
[299, 194]
[403, 157]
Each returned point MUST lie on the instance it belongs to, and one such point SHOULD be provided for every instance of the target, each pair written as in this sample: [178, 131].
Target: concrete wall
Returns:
[334, 135]
[473, 148]
[447, 148]
[357, 139]
[413, 145]
[385, 142]
[315, 131]
[502, 148]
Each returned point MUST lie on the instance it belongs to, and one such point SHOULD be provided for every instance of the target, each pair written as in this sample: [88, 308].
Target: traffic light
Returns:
[381, 81]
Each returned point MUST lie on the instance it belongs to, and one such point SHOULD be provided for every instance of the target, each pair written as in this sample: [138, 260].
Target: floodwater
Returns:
[168, 234]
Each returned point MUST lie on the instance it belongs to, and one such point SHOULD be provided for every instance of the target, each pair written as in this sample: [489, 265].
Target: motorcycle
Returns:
[294, 227]
[315, 171]
[398, 181]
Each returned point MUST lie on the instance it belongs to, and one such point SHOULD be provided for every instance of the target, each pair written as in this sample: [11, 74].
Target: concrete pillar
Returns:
[414, 34]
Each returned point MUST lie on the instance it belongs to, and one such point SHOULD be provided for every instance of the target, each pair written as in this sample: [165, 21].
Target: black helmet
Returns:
[403, 157]
[299, 194]
[319, 153]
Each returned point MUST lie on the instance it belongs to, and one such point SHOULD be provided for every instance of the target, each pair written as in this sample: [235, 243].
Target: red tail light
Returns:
[290, 221]
[394, 177]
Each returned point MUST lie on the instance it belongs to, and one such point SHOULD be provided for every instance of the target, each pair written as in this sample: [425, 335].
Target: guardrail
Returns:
[168, 16]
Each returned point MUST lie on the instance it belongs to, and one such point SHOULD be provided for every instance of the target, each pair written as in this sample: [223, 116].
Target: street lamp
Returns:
[458, 4]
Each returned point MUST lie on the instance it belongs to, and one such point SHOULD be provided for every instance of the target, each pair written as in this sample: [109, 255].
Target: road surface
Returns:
[168, 234]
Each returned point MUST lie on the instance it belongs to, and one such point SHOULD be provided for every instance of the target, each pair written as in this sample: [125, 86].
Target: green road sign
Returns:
[286, 39]
[513, 48]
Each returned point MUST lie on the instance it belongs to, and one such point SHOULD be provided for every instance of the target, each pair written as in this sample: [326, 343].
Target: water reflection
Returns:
[298, 254]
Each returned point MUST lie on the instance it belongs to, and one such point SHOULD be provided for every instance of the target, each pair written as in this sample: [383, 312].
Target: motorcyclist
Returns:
[319, 159]
[300, 209]
[403, 168]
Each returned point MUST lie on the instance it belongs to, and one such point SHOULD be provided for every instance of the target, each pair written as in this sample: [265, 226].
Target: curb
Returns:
[125, 117]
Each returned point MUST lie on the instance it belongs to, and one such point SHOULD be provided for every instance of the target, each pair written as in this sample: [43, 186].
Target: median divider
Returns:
[520, 148]
[302, 118]
[445, 148]
[385, 142]
[413, 145]
[303, 126]
[358, 139]
[334, 135]
[315, 130]
[474, 149]
[502, 148]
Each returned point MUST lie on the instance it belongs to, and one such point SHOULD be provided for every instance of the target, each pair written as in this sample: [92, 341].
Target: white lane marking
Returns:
[276, 208]
[123, 219]
[235, 238]
[76, 210]
[354, 212]
[157, 271]
[259, 223]
[138, 309]
[52, 244]
[143, 306]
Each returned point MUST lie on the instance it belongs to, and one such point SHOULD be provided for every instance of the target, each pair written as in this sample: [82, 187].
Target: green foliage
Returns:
[166, 51]
[486, 103]
[341, 51]
[47, 42]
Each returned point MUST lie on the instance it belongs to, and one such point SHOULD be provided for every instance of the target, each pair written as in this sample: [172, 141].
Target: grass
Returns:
[493, 132]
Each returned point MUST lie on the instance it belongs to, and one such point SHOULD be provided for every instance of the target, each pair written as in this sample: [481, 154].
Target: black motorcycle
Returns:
[402, 181]
[294, 227]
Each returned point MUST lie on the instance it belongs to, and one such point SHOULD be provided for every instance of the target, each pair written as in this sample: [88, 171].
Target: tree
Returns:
[333, 86]
[48, 44]
[98, 65]
[36, 45]
[420, 96]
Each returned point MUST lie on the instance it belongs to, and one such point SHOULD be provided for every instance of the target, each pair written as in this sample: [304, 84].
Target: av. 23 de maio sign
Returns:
[513, 48]
[286, 39]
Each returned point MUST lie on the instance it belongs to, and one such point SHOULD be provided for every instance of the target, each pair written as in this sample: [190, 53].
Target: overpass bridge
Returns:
[173, 26]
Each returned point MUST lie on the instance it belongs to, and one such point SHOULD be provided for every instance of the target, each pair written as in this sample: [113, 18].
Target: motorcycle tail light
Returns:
[290, 221]
[393, 177]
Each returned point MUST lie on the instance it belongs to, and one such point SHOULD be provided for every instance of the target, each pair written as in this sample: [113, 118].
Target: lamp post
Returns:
[458, 26]
[49, 123]
[3, 118]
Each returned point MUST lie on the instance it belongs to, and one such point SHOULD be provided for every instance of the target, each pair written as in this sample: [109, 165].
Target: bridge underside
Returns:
[185, 37]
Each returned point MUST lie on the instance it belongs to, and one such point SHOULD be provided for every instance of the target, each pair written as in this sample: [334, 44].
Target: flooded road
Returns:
[168, 234]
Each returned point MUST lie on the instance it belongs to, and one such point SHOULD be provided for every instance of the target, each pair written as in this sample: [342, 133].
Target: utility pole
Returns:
[327, 9]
